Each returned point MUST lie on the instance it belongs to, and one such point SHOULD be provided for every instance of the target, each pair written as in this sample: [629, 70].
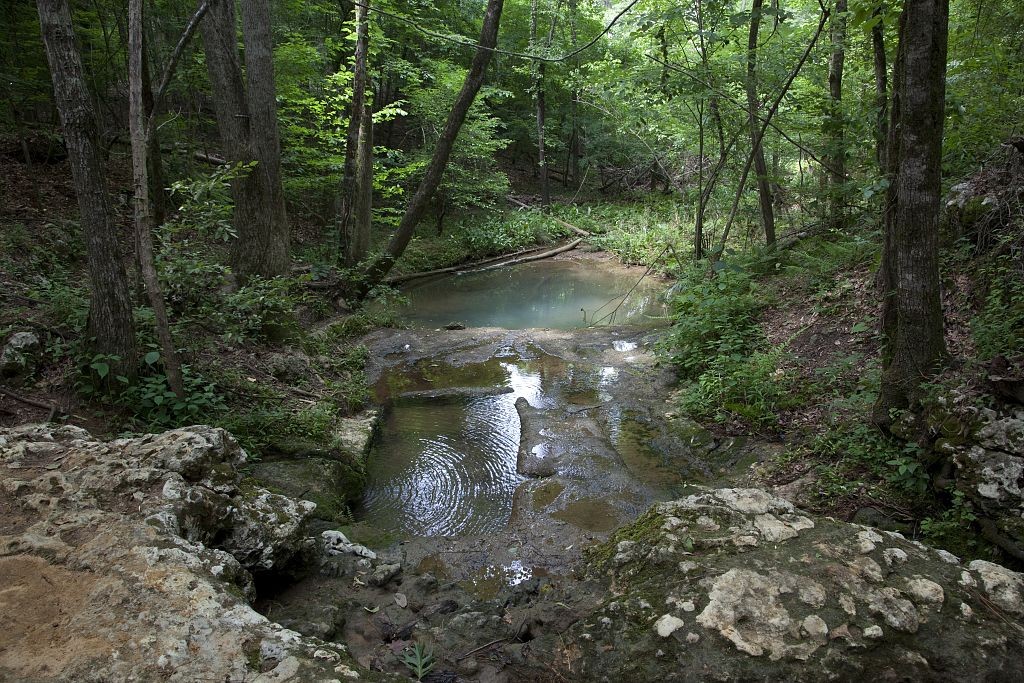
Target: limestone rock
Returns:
[780, 595]
[135, 556]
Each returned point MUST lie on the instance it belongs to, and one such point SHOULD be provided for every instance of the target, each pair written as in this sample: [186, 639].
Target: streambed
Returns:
[503, 454]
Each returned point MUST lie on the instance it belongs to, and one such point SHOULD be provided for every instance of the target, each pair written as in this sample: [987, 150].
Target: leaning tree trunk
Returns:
[110, 307]
[442, 151]
[835, 160]
[764, 190]
[912, 307]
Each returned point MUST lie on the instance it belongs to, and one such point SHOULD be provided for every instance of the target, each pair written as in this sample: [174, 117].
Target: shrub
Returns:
[998, 328]
[713, 318]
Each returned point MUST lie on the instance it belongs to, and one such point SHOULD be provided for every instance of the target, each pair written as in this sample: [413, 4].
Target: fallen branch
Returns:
[45, 405]
[537, 257]
[579, 231]
[395, 279]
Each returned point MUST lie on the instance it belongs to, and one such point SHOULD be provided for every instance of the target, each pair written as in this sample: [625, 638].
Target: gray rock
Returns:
[19, 355]
[779, 595]
[135, 554]
[383, 574]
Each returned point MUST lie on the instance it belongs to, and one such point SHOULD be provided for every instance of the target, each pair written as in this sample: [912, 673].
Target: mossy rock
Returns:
[333, 485]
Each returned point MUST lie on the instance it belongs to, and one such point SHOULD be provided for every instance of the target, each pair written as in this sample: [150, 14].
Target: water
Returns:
[448, 468]
[551, 294]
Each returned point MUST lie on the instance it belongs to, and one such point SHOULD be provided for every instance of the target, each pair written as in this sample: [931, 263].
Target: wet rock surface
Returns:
[134, 560]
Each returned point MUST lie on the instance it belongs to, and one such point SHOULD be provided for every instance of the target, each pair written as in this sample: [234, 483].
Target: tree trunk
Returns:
[912, 306]
[111, 325]
[835, 159]
[541, 111]
[266, 253]
[248, 133]
[140, 122]
[442, 150]
[356, 193]
[764, 191]
[363, 214]
[881, 92]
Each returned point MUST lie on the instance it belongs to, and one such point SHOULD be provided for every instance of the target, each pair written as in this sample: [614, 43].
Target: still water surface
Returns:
[552, 294]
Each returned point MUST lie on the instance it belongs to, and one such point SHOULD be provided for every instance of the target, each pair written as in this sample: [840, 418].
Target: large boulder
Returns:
[133, 560]
[736, 584]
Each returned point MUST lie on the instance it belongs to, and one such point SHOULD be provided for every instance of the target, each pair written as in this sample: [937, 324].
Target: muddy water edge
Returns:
[502, 456]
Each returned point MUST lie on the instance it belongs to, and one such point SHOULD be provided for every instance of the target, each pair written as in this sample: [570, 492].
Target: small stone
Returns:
[894, 557]
[455, 326]
[874, 632]
[925, 591]
[401, 600]
[326, 655]
[692, 638]
[966, 579]
[812, 594]
[966, 610]
[815, 627]
[848, 604]
[947, 557]
[687, 566]
[688, 606]
[667, 625]
[383, 574]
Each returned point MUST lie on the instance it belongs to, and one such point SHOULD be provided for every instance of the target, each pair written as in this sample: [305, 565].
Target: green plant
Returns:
[254, 310]
[713, 317]
[152, 402]
[419, 659]
[752, 387]
[952, 527]
[998, 328]
[908, 471]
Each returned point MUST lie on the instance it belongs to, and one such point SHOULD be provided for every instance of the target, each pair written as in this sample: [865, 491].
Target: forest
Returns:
[446, 336]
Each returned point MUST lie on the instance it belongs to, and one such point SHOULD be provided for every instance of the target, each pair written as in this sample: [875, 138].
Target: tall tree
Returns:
[141, 123]
[912, 320]
[246, 112]
[764, 190]
[442, 151]
[834, 177]
[110, 308]
[881, 87]
[357, 180]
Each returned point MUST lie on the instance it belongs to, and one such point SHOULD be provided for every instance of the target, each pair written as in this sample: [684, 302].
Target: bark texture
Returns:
[912, 308]
[835, 126]
[111, 325]
[246, 113]
[358, 177]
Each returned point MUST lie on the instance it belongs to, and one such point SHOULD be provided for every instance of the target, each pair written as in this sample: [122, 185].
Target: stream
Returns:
[505, 450]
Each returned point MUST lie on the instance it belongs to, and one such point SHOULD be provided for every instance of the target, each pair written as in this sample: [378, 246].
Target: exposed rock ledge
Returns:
[133, 560]
[736, 584]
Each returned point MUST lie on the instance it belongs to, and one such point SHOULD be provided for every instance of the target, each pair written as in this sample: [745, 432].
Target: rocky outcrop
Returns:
[736, 584]
[134, 560]
[332, 475]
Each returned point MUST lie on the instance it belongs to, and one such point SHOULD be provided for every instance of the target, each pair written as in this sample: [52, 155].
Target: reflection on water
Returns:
[444, 468]
[555, 294]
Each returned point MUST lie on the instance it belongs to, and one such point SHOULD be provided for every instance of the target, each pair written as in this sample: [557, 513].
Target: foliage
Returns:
[999, 326]
[151, 401]
[754, 388]
[419, 659]
[250, 312]
[713, 317]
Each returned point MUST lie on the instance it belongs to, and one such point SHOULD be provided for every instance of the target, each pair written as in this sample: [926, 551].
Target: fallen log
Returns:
[579, 231]
[462, 267]
[537, 257]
